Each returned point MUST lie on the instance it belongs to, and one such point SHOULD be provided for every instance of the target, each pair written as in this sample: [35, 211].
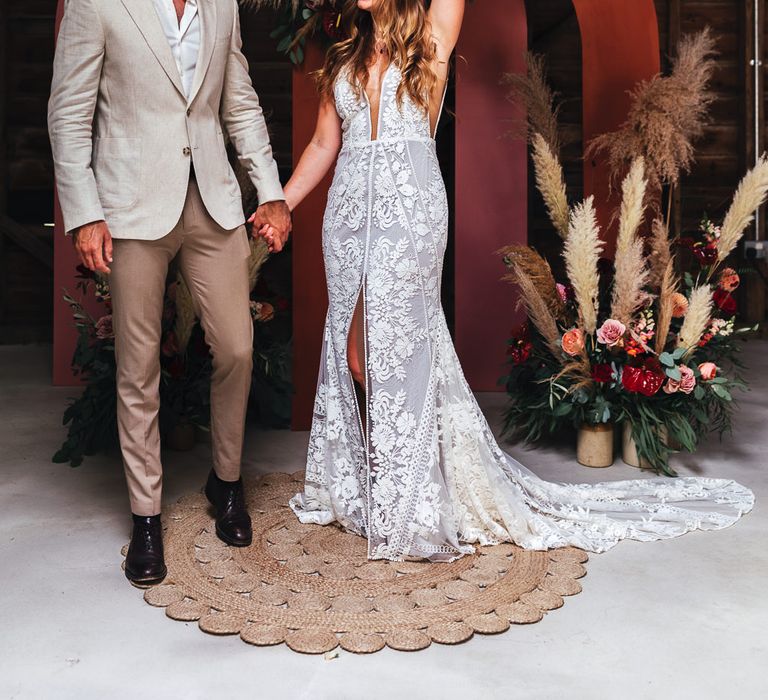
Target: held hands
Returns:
[272, 221]
[93, 243]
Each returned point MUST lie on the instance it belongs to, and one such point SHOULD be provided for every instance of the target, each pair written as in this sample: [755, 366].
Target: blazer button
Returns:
[186, 151]
[189, 112]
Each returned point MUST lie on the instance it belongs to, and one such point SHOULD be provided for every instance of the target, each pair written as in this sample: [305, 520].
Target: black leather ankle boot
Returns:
[144, 563]
[233, 524]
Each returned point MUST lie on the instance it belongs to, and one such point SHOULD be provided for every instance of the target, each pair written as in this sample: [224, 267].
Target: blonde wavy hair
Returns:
[407, 35]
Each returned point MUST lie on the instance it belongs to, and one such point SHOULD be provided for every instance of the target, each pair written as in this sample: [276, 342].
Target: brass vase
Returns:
[594, 445]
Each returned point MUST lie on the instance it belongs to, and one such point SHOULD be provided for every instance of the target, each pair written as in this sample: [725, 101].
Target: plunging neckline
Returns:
[370, 106]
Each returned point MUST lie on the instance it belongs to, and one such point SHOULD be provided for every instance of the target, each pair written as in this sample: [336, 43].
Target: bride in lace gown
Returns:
[399, 451]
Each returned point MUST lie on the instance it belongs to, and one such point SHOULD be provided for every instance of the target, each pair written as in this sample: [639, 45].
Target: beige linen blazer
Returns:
[124, 135]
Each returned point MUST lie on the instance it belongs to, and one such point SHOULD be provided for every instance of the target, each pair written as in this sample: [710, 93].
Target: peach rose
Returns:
[573, 341]
[729, 279]
[679, 305]
[611, 332]
[708, 370]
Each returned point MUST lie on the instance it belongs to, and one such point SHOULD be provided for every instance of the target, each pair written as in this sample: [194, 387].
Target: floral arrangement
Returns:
[635, 339]
[185, 363]
[299, 20]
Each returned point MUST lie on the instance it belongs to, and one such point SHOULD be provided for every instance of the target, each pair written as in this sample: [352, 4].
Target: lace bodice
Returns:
[404, 121]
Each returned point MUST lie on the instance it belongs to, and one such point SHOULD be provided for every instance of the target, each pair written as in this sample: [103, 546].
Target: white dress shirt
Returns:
[183, 37]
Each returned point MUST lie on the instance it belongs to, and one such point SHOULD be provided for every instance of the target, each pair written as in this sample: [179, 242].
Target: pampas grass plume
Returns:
[750, 195]
[696, 318]
[581, 253]
[551, 183]
[631, 274]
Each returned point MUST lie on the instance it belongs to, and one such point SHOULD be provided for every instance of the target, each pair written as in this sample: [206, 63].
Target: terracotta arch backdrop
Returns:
[620, 47]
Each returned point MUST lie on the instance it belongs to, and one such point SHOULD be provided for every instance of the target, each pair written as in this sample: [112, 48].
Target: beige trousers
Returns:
[214, 264]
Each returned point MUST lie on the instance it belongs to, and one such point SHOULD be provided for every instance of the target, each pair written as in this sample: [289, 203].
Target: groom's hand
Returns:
[274, 217]
[93, 243]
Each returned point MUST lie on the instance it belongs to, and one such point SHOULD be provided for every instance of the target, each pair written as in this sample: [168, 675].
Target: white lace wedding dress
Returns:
[420, 473]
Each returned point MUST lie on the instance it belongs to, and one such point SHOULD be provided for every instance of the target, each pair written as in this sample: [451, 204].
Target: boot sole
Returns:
[146, 581]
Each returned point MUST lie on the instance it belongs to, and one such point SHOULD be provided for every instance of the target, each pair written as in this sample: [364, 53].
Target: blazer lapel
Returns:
[143, 14]
[208, 16]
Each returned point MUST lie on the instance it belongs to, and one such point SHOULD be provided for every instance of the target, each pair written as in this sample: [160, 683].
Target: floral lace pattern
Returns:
[417, 470]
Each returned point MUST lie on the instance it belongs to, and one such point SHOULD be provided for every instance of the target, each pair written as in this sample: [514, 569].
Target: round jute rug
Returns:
[313, 588]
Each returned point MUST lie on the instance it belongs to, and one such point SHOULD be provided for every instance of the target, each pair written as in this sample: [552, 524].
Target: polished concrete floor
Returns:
[685, 618]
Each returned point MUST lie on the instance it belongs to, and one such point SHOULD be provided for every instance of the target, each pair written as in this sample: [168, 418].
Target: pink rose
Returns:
[687, 379]
[611, 332]
[708, 370]
[573, 341]
[686, 383]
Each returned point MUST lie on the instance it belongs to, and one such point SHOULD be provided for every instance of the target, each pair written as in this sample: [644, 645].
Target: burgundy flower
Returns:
[520, 352]
[104, 330]
[724, 301]
[602, 374]
[705, 254]
[332, 24]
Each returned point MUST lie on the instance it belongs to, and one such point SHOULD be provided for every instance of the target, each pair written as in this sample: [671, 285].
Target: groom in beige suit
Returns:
[143, 94]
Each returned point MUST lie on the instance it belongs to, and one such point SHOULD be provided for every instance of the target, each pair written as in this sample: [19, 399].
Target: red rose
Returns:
[724, 301]
[602, 374]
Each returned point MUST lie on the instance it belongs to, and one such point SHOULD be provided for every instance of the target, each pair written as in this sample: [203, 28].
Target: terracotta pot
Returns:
[629, 448]
[594, 445]
[181, 438]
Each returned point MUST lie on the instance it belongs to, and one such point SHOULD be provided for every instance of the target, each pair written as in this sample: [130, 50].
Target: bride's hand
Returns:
[269, 234]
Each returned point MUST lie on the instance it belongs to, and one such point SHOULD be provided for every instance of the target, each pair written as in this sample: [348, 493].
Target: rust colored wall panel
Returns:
[310, 298]
[491, 185]
[620, 46]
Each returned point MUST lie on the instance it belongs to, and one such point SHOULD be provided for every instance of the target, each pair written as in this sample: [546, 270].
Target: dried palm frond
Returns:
[531, 92]
[631, 274]
[659, 254]
[185, 314]
[666, 115]
[551, 183]
[519, 257]
[581, 253]
[259, 255]
[668, 288]
[749, 196]
[538, 312]
[696, 318]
